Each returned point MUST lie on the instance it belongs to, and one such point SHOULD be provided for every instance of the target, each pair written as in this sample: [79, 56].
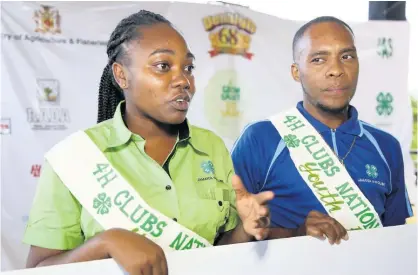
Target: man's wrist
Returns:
[300, 231]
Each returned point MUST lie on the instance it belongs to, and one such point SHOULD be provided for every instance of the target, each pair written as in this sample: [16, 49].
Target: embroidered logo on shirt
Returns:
[208, 167]
[372, 181]
[371, 171]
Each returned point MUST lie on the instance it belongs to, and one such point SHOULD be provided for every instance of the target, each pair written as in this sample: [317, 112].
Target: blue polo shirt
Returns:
[375, 164]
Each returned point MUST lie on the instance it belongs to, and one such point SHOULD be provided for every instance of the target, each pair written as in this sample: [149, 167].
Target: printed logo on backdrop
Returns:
[35, 170]
[384, 110]
[222, 99]
[49, 115]
[230, 33]
[5, 126]
[230, 96]
[384, 47]
[47, 22]
[384, 104]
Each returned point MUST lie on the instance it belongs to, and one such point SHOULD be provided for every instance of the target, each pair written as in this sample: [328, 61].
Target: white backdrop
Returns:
[53, 57]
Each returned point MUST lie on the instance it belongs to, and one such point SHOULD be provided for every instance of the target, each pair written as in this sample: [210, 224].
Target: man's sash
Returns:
[323, 173]
[110, 199]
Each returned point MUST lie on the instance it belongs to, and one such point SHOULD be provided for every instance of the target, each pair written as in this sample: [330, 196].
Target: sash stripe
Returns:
[110, 199]
[322, 171]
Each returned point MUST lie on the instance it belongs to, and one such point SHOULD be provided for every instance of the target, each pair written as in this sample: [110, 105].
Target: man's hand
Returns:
[323, 226]
[252, 209]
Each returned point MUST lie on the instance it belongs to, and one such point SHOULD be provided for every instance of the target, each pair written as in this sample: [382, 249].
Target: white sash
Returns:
[326, 176]
[110, 199]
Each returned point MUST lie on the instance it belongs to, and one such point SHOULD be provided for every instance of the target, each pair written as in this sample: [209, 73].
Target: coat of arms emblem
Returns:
[47, 20]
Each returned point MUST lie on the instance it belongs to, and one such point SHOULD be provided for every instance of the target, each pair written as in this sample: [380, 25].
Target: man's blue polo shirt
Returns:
[263, 162]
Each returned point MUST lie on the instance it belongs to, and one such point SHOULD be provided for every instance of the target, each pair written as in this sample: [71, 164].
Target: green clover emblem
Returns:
[208, 167]
[291, 141]
[384, 104]
[371, 171]
[384, 47]
[102, 203]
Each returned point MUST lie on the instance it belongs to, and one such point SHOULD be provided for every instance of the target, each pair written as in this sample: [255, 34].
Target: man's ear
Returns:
[295, 72]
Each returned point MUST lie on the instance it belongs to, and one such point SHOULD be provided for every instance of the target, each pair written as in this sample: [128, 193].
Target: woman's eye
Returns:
[163, 66]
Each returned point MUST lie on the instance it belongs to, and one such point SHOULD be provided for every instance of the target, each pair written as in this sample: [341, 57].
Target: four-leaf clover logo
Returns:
[208, 167]
[291, 141]
[102, 204]
[384, 104]
[371, 171]
[385, 47]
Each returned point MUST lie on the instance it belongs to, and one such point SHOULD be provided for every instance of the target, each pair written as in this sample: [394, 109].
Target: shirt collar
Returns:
[351, 126]
[120, 134]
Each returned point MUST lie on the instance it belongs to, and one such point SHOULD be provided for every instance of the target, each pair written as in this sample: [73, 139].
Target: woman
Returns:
[142, 181]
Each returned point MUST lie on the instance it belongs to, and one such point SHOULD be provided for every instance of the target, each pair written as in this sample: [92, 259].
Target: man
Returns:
[330, 172]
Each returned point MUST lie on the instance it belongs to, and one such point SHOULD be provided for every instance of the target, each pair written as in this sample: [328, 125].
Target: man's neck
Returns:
[331, 120]
[148, 128]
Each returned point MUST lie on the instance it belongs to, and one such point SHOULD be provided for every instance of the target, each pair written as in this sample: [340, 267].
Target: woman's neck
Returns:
[148, 128]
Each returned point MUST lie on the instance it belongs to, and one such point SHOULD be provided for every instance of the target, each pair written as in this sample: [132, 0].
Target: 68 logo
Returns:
[230, 33]
[228, 36]
[230, 39]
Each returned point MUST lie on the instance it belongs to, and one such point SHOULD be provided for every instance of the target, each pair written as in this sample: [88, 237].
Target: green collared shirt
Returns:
[193, 188]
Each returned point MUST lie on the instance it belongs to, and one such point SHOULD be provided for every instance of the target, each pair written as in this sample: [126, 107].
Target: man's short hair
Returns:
[317, 20]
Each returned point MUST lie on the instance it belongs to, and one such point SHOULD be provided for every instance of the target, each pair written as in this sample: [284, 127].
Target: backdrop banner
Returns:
[53, 55]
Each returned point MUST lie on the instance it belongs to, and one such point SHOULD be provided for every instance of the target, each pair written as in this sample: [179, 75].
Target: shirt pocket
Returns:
[216, 204]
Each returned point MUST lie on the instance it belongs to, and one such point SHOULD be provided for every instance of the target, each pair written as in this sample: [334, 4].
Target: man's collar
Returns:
[351, 126]
[120, 134]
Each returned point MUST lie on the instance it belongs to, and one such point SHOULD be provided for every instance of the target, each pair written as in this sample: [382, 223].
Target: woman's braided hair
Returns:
[110, 94]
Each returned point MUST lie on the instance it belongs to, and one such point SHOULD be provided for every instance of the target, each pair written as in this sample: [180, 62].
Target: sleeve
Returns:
[54, 220]
[247, 160]
[397, 207]
[233, 218]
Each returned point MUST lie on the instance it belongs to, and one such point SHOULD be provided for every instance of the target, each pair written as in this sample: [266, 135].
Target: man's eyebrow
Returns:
[349, 49]
[320, 53]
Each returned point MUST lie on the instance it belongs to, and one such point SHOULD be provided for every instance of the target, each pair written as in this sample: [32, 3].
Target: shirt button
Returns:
[168, 187]
[220, 203]
[175, 219]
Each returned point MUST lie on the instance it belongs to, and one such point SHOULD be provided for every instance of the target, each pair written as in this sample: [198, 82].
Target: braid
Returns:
[110, 94]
